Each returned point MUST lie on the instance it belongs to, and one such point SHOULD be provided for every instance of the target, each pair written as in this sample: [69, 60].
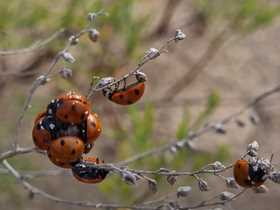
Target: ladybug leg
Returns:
[116, 87]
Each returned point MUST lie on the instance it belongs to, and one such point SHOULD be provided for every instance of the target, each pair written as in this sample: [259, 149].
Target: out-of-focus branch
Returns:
[16, 151]
[36, 46]
[149, 55]
[198, 67]
[217, 127]
[166, 17]
[43, 79]
[34, 191]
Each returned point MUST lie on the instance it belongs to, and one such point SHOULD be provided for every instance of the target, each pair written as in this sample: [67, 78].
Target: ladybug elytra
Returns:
[128, 94]
[69, 108]
[85, 171]
[248, 175]
[66, 149]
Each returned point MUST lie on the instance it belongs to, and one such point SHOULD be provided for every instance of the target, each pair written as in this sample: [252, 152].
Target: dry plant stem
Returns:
[120, 170]
[16, 151]
[37, 83]
[36, 46]
[144, 60]
[211, 127]
[167, 15]
[216, 203]
[166, 147]
[34, 191]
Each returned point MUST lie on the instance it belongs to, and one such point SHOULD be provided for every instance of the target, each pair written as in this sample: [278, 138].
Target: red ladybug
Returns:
[93, 127]
[247, 175]
[66, 149]
[129, 94]
[60, 163]
[69, 108]
[39, 116]
[86, 172]
[41, 136]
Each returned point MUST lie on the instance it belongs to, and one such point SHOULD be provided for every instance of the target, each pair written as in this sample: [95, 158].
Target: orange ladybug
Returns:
[247, 175]
[69, 108]
[60, 163]
[44, 130]
[128, 94]
[39, 116]
[93, 127]
[86, 172]
[66, 149]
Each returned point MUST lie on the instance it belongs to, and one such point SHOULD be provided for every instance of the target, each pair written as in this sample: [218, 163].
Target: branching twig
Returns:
[210, 127]
[36, 191]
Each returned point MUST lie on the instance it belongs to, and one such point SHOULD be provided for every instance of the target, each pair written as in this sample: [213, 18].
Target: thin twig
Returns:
[36, 191]
[193, 135]
[36, 46]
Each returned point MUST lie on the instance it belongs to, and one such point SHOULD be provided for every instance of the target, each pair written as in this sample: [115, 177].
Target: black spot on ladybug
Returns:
[93, 124]
[84, 102]
[129, 102]
[121, 96]
[62, 142]
[137, 92]
[73, 152]
[66, 116]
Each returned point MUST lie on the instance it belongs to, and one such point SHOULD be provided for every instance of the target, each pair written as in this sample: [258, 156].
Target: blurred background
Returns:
[231, 55]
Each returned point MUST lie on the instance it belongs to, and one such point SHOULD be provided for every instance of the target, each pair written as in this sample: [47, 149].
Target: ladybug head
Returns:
[141, 76]
[52, 107]
[104, 82]
[259, 169]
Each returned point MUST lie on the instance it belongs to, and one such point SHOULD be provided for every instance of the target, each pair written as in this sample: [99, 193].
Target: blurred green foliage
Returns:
[8, 182]
[139, 137]
[245, 15]
[212, 103]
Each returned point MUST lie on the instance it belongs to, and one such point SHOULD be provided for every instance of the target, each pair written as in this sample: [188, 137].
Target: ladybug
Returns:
[39, 116]
[66, 149]
[128, 94]
[91, 128]
[85, 171]
[69, 108]
[248, 175]
[60, 163]
[44, 130]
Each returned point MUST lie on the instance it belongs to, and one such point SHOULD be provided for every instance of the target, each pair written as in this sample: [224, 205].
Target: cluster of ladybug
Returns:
[67, 130]
[248, 173]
